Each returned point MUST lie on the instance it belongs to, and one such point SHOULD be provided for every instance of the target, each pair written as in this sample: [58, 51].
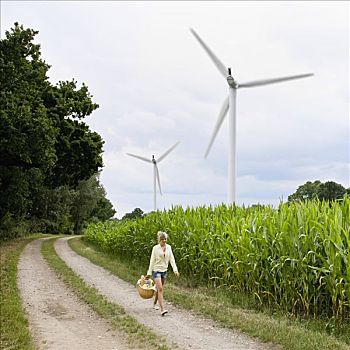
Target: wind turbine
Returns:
[230, 105]
[155, 170]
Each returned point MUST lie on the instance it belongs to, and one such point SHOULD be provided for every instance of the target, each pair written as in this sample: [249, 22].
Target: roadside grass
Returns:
[14, 324]
[231, 310]
[138, 335]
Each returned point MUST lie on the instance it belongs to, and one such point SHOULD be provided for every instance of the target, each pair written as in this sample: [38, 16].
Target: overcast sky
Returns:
[156, 86]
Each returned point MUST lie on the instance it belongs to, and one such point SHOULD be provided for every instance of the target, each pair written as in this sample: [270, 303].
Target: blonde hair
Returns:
[162, 234]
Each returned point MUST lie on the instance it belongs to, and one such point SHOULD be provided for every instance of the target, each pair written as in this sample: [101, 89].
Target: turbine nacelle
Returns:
[231, 82]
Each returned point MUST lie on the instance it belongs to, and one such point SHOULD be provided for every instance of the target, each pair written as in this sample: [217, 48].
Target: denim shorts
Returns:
[158, 274]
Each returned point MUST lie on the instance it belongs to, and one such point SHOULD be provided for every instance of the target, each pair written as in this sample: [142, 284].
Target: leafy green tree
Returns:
[135, 214]
[104, 210]
[78, 150]
[46, 149]
[67, 210]
[53, 213]
[90, 204]
[306, 191]
[27, 135]
[329, 190]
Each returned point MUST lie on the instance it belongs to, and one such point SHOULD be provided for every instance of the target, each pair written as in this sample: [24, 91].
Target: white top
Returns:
[160, 260]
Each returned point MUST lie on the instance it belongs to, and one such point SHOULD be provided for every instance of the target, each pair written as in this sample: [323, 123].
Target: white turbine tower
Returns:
[230, 105]
[155, 170]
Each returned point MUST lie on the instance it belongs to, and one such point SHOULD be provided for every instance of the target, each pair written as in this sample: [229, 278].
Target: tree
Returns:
[78, 150]
[44, 143]
[103, 210]
[135, 214]
[27, 135]
[90, 203]
[54, 211]
[67, 210]
[329, 190]
[306, 191]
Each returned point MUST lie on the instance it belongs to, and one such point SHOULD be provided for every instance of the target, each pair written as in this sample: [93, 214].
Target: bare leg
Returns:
[156, 295]
[159, 295]
[155, 298]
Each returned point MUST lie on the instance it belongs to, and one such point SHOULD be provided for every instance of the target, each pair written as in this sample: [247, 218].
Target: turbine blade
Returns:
[139, 157]
[222, 114]
[158, 179]
[273, 81]
[167, 152]
[220, 66]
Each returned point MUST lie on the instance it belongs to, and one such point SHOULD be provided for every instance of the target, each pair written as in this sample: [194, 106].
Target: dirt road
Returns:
[57, 319]
[45, 297]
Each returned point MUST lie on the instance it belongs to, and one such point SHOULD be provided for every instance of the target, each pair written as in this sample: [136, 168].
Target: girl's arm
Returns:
[173, 263]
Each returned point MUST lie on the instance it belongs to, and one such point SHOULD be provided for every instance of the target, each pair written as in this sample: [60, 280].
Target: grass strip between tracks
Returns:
[289, 334]
[139, 336]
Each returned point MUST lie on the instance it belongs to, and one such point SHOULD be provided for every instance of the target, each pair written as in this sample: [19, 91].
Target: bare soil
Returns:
[59, 321]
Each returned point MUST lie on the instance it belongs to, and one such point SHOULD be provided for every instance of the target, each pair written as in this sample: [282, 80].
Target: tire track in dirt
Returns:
[57, 319]
[188, 330]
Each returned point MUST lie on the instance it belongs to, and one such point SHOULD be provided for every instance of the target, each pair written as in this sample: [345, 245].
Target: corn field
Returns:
[295, 256]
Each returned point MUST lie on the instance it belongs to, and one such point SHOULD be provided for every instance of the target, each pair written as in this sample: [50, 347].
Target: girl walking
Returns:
[161, 255]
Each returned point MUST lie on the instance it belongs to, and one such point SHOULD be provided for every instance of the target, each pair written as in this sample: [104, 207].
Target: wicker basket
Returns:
[145, 293]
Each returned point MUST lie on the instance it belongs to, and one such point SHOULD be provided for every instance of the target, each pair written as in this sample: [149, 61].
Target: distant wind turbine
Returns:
[230, 105]
[155, 170]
